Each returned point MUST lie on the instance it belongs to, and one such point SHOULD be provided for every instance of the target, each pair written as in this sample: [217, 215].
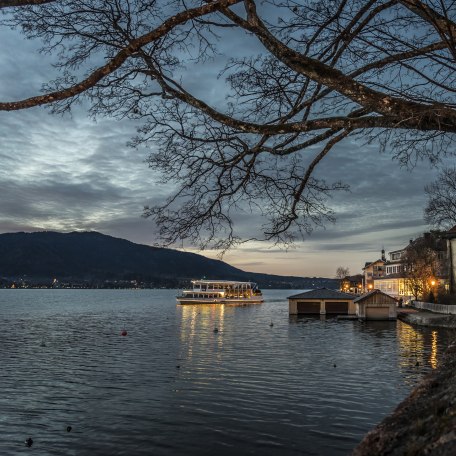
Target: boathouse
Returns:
[376, 305]
[322, 301]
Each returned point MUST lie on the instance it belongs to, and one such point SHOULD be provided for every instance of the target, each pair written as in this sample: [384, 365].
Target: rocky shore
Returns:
[425, 422]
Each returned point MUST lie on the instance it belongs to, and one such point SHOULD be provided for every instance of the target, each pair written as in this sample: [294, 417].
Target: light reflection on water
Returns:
[434, 350]
[419, 347]
[173, 386]
[412, 350]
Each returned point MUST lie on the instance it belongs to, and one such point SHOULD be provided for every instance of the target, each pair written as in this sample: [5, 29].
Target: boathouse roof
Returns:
[323, 293]
[371, 293]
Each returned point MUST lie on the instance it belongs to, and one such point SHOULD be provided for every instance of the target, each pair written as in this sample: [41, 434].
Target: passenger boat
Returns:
[221, 292]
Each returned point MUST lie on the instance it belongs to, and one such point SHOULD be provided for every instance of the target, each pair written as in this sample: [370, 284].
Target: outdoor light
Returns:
[432, 282]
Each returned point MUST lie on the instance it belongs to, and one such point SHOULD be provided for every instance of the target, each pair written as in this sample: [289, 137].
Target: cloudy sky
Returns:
[72, 173]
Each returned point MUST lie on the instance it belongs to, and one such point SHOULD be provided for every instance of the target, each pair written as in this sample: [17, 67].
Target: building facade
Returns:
[322, 301]
[352, 284]
[451, 255]
[399, 275]
[373, 270]
[376, 305]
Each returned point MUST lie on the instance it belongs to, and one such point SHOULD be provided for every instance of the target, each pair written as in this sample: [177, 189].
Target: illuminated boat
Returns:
[221, 292]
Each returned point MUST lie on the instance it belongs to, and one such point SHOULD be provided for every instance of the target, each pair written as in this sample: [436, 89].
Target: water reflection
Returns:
[433, 356]
[198, 324]
[306, 386]
[377, 328]
[414, 348]
[411, 344]
[300, 319]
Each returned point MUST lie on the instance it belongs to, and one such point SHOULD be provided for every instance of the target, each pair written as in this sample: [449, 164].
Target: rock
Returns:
[424, 423]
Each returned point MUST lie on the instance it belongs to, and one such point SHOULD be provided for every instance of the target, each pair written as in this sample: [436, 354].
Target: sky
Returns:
[68, 173]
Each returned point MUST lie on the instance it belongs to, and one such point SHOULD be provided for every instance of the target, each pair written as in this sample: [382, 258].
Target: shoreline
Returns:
[425, 421]
[427, 318]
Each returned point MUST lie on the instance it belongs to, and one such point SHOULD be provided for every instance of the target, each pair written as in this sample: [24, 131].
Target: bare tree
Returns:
[381, 70]
[422, 265]
[441, 206]
[342, 272]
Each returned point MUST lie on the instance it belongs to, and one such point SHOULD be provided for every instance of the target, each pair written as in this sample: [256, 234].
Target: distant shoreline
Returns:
[119, 288]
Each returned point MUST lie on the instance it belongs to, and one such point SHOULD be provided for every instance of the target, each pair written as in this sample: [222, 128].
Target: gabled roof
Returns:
[371, 293]
[398, 250]
[367, 264]
[451, 233]
[323, 293]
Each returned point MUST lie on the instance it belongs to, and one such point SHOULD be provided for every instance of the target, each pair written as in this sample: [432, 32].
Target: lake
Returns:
[172, 386]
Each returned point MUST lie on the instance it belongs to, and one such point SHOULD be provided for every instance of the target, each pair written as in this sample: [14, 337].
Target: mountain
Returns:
[95, 259]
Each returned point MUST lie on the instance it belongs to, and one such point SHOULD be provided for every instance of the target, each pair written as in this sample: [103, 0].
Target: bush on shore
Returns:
[447, 298]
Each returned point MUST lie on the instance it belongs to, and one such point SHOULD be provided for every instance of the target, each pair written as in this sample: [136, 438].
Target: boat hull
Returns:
[191, 301]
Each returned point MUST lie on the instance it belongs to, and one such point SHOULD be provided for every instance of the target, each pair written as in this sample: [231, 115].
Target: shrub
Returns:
[447, 298]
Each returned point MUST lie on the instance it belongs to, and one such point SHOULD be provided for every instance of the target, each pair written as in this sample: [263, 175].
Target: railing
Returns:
[437, 308]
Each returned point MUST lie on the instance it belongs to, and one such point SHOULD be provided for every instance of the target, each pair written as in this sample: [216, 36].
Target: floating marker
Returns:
[69, 428]
[123, 332]
[29, 442]
[216, 330]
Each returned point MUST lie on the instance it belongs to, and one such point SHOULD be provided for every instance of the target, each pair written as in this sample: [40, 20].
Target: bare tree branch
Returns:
[440, 210]
[116, 61]
[313, 73]
[15, 3]
[334, 79]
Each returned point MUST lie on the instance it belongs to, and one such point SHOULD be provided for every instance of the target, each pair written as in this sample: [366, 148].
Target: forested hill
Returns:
[95, 259]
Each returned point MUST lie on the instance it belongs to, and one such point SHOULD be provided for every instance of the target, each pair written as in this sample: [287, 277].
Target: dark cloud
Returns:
[345, 247]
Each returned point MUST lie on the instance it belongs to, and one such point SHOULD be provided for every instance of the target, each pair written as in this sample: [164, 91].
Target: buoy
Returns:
[216, 330]
[271, 324]
[29, 442]
[417, 363]
[178, 367]
[335, 365]
[123, 332]
[69, 428]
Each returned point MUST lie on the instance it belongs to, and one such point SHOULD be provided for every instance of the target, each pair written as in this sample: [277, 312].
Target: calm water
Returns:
[174, 387]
